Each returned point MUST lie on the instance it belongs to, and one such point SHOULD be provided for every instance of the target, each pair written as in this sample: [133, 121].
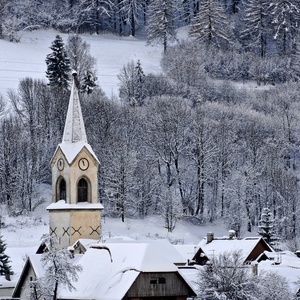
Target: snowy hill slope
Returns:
[27, 58]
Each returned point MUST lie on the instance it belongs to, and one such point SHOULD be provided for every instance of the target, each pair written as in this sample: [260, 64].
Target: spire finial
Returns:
[75, 78]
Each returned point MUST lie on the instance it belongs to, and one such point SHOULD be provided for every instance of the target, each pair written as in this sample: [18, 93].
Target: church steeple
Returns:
[74, 130]
[75, 211]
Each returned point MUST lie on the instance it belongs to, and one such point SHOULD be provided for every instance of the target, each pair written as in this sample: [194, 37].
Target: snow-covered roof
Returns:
[186, 251]
[74, 130]
[109, 270]
[222, 245]
[71, 150]
[190, 274]
[284, 263]
[61, 204]
[169, 251]
[35, 261]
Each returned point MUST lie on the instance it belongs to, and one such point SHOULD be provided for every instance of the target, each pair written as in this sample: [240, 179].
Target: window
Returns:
[162, 280]
[153, 280]
[82, 190]
[157, 280]
[62, 190]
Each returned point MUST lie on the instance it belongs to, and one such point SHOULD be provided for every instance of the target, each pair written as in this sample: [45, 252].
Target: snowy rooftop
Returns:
[119, 264]
[71, 150]
[222, 245]
[284, 263]
[61, 204]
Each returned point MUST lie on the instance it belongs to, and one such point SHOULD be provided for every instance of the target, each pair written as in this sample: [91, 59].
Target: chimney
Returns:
[209, 237]
[7, 275]
[255, 268]
[231, 234]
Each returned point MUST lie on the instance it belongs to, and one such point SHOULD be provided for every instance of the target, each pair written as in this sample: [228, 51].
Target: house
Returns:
[250, 247]
[6, 287]
[111, 271]
[284, 263]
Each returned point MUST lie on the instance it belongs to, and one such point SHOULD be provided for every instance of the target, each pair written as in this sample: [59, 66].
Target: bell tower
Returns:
[75, 212]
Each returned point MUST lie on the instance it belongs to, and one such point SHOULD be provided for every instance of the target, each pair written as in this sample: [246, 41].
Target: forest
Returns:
[195, 142]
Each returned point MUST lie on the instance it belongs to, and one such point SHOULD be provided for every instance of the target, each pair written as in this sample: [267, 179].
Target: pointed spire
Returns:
[74, 130]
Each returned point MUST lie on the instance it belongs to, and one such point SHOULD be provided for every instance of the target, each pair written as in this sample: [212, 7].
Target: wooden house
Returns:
[124, 271]
[250, 248]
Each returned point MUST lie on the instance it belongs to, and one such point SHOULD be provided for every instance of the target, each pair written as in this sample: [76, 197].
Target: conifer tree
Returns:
[160, 24]
[131, 10]
[255, 26]
[132, 84]
[266, 227]
[89, 83]
[58, 65]
[211, 25]
[5, 268]
[139, 78]
[285, 17]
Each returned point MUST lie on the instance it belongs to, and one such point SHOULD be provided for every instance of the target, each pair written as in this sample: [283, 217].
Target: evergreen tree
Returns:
[132, 84]
[211, 25]
[285, 17]
[58, 65]
[161, 22]
[266, 228]
[139, 79]
[89, 83]
[5, 268]
[131, 10]
[255, 26]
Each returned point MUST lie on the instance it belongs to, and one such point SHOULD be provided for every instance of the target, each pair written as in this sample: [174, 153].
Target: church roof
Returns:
[74, 130]
[74, 136]
[71, 150]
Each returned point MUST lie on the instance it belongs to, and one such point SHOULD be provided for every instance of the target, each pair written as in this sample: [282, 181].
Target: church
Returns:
[75, 212]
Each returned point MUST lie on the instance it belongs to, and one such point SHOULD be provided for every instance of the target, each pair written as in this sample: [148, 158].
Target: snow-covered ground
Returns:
[23, 234]
[27, 58]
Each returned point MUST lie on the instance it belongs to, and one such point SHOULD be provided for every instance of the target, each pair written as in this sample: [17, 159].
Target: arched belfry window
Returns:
[61, 191]
[82, 190]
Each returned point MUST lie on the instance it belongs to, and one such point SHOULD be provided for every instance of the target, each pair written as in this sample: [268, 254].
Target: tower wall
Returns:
[72, 224]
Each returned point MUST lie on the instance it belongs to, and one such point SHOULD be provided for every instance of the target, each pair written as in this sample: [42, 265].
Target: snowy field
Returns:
[27, 58]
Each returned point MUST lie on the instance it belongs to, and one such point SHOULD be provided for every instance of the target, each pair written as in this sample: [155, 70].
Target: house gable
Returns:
[250, 249]
[162, 284]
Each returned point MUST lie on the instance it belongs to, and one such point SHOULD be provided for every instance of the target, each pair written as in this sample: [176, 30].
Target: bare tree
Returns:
[59, 269]
[82, 62]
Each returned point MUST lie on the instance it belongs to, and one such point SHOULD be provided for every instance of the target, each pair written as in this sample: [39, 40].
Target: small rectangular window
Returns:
[153, 280]
[162, 280]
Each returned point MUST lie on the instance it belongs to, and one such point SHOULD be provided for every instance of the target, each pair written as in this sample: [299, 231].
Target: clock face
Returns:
[83, 164]
[60, 164]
